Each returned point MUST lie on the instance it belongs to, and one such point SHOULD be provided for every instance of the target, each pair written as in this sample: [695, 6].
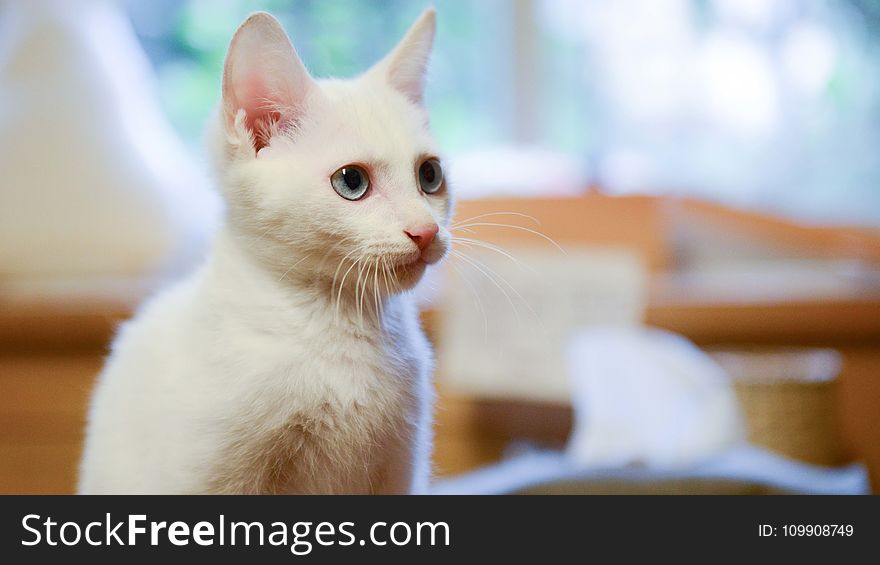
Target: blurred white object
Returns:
[648, 397]
[744, 469]
[94, 180]
[516, 171]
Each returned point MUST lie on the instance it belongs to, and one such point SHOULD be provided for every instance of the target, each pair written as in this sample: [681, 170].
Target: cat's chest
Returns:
[317, 366]
[315, 404]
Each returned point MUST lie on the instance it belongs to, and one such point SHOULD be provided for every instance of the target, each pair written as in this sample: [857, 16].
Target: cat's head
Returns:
[332, 179]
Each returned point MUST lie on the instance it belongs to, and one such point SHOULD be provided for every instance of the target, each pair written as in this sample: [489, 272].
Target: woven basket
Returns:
[787, 397]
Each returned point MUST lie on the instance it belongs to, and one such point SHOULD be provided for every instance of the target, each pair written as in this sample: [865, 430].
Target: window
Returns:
[770, 105]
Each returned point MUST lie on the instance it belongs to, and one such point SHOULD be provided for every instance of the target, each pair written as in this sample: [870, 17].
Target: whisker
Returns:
[497, 248]
[385, 275]
[514, 291]
[479, 268]
[476, 298]
[342, 284]
[379, 308]
[338, 267]
[521, 228]
[521, 215]
[339, 242]
[292, 266]
[390, 283]
[359, 297]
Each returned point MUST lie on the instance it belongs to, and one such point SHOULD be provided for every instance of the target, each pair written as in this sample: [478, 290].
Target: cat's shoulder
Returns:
[160, 314]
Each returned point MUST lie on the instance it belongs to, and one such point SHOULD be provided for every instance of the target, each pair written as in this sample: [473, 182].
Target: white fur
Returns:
[281, 365]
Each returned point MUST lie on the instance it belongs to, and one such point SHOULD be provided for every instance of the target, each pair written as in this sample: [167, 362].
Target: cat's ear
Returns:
[407, 64]
[263, 76]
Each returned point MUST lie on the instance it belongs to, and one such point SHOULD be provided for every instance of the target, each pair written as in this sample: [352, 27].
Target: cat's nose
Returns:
[422, 236]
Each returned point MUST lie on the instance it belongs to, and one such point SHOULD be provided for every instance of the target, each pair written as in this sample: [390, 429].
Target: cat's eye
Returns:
[350, 182]
[430, 176]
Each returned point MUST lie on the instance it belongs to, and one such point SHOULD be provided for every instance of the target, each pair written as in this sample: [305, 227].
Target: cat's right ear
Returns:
[264, 77]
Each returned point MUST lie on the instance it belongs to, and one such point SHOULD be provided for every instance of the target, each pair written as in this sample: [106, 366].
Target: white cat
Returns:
[292, 361]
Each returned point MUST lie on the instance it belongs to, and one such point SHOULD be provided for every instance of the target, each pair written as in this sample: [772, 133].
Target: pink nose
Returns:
[422, 236]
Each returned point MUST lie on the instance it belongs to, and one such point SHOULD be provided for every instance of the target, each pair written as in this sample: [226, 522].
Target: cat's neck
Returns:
[242, 284]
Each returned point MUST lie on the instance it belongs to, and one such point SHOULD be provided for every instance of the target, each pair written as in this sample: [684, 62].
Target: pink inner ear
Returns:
[264, 77]
[262, 115]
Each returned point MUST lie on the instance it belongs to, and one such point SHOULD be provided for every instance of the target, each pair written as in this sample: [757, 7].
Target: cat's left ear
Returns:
[407, 64]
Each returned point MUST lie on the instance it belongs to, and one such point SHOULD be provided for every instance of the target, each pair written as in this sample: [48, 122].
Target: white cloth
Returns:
[648, 397]
[94, 180]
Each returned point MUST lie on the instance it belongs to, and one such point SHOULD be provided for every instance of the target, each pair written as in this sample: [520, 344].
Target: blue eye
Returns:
[350, 182]
[430, 176]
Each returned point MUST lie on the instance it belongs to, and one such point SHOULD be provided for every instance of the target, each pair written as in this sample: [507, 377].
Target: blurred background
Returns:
[667, 275]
